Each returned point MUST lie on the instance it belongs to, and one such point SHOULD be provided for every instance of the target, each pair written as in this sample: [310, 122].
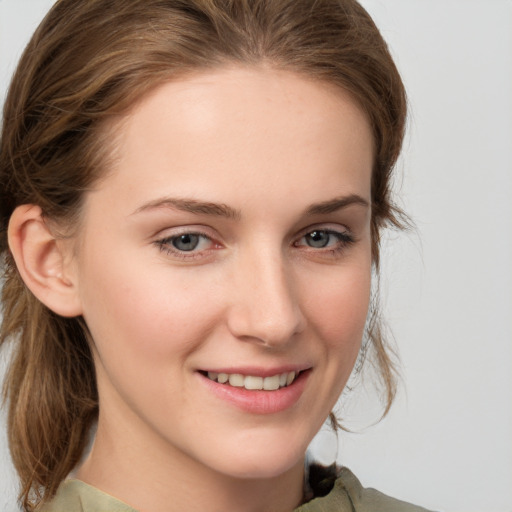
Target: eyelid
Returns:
[342, 235]
[327, 227]
[163, 241]
[345, 238]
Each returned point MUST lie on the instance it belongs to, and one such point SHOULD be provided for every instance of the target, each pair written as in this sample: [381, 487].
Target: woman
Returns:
[158, 279]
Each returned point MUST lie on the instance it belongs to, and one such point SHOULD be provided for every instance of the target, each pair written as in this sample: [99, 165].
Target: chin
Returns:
[261, 462]
[256, 470]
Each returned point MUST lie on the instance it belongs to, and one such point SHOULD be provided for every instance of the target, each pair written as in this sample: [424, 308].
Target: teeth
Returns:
[236, 380]
[252, 382]
[271, 383]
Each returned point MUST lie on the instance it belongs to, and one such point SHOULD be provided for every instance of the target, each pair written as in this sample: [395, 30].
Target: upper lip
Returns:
[258, 371]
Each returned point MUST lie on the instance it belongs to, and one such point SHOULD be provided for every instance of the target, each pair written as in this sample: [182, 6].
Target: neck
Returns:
[151, 475]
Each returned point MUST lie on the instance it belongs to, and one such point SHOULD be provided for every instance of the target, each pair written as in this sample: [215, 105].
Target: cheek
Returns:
[337, 312]
[143, 315]
[339, 308]
[144, 329]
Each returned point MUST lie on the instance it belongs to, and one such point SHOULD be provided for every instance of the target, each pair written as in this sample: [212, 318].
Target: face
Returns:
[224, 268]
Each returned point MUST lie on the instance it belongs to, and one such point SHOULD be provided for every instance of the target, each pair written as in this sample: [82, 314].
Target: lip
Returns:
[260, 401]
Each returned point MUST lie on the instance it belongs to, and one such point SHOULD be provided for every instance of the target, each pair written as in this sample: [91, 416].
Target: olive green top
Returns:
[347, 495]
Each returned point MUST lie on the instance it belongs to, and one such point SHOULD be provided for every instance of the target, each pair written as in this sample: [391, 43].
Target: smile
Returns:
[252, 382]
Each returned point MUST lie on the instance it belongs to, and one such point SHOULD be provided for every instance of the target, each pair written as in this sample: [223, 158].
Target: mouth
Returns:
[257, 391]
[254, 382]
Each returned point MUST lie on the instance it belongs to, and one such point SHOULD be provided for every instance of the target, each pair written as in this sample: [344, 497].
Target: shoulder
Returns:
[348, 495]
[77, 496]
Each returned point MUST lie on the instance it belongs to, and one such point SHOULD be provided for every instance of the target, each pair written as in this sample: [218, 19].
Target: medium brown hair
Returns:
[89, 62]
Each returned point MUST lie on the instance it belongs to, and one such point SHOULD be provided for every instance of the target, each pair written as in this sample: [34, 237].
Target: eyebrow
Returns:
[338, 203]
[223, 210]
[192, 206]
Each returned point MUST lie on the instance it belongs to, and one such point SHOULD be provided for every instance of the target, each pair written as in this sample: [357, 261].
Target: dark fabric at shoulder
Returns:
[348, 495]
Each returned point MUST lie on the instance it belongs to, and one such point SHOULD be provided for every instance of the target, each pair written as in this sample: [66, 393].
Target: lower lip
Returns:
[259, 402]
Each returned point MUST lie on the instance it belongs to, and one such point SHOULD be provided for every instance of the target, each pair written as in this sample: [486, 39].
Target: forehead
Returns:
[237, 128]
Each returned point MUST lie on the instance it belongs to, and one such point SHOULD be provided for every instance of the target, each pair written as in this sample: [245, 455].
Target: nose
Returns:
[264, 303]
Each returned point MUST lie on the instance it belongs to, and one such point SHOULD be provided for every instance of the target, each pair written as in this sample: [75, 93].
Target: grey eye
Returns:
[318, 239]
[187, 242]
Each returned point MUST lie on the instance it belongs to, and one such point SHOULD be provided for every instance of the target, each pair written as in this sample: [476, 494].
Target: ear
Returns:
[43, 261]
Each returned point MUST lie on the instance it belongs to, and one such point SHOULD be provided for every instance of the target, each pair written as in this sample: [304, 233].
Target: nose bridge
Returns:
[266, 306]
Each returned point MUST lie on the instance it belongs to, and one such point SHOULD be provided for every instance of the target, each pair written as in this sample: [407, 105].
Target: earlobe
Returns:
[43, 261]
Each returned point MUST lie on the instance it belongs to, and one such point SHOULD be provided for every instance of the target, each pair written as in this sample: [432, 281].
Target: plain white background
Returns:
[447, 287]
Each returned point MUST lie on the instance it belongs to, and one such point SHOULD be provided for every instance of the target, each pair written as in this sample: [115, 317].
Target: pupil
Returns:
[186, 242]
[318, 239]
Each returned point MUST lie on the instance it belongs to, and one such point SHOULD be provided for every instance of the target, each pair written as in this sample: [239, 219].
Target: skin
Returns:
[267, 145]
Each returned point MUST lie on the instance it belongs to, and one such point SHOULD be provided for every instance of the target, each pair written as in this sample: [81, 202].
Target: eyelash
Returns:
[166, 245]
[344, 240]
